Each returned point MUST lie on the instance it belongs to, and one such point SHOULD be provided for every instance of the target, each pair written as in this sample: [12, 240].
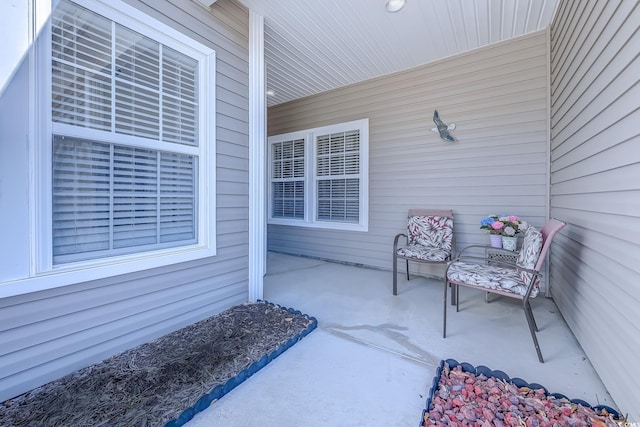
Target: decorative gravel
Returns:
[464, 396]
[166, 381]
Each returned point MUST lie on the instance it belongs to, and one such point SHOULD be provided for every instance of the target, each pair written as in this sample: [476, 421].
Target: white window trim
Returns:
[310, 177]
[43, 275]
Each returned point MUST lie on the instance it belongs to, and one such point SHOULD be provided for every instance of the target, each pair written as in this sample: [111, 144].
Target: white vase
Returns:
[496, 240]
[509, 243]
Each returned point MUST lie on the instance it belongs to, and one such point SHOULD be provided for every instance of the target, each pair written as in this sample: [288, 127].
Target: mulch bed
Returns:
[155, 383]
[466, 396]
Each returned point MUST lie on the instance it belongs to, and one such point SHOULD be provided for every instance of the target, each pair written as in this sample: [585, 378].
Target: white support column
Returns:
[257, 161]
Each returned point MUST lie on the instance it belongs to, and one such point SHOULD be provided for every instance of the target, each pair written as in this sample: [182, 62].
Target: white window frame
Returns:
[43, 272]
[310, 176]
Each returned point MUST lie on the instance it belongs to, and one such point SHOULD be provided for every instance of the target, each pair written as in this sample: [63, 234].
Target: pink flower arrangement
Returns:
[505, 225]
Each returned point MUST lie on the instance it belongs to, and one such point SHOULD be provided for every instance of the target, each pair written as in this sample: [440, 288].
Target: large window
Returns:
[319, 177]
[129, 119]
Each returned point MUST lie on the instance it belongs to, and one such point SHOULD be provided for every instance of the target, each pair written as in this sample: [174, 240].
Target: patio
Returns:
[373, 356]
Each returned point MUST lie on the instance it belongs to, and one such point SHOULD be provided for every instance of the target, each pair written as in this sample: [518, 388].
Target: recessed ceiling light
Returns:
[395, 5]
[270, 93]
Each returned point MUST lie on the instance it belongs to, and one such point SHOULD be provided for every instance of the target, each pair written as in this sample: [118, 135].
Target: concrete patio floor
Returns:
[373, 356]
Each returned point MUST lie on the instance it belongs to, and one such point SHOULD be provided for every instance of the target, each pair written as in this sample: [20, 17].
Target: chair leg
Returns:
[444, 311]
[457, 291]
[532, 328]
[395, 274]
[407, 270]
[453, 293]
[535, 325]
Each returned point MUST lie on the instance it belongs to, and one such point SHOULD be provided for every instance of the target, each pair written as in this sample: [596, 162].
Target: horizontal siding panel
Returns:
[329, 107]
[620, 227]
[456, 183]
[238, 100]
[233, 175]
[231, 143]
[77, 300]
[239, 163]
[600, 48]
[616, 100]
[611, 180]
[609, 147]
[615, 203]
[576, 41]
[50, 330]
[16, 382]
[501, 104]
[61, 346]
[595, 162]
[208, 28]
[232, 84]
[232, 188]
[230, 110]
[493, 157]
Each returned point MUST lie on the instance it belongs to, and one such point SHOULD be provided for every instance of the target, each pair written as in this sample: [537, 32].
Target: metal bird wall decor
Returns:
[443, 129]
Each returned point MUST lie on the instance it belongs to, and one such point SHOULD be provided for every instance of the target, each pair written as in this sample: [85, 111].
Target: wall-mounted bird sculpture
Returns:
[443, 129]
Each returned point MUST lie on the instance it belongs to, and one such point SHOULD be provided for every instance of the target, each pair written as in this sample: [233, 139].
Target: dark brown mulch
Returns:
[152, 384]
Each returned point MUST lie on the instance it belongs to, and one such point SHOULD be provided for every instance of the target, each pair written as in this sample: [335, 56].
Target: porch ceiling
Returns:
[313, 46]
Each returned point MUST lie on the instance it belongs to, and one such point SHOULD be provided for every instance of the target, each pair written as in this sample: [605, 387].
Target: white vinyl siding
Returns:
[318, 177]
[595, 165]
[112, 199]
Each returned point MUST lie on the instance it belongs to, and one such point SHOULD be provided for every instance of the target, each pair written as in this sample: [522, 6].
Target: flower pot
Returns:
[509, 242]
[496, 240]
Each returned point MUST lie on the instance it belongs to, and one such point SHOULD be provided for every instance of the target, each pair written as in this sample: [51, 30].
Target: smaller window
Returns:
[288, 178]
[319, 177]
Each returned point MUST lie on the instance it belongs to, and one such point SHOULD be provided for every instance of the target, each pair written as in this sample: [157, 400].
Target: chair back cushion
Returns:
[430, 231]
[530, 252]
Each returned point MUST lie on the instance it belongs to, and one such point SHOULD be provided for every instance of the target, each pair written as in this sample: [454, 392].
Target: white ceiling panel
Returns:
[312, 46]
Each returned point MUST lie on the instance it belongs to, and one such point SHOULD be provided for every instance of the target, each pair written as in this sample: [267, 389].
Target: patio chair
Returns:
[429, 239]
[520, 280]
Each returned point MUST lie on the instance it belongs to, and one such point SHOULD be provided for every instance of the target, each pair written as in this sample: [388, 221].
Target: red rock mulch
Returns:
[467, 399]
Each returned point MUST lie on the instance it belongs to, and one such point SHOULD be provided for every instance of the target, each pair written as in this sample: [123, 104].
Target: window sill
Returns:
[88, 271]
[342, 226]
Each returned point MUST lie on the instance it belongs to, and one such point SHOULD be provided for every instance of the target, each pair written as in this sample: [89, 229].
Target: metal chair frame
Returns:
[548, 232]
[418, 212]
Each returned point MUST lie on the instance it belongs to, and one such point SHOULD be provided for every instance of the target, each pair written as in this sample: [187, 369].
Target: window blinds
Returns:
[338, 182]
[108, 77]
[288, 179]
[108, 198]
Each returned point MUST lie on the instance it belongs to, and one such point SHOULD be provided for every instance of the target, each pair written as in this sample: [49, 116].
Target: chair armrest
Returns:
[395, 241]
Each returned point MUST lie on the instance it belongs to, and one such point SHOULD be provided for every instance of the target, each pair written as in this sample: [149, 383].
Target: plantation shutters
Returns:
[115, 94]
[287, 160]
[338, 171]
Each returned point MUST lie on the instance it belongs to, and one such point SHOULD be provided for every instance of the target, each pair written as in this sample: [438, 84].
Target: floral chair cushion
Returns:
[424, 253]
[430, 232]
[529, 253]
[489, 277]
